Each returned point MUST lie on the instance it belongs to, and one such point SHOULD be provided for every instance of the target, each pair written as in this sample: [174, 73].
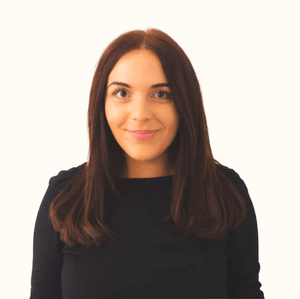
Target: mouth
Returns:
[142, 131]
[142, 136]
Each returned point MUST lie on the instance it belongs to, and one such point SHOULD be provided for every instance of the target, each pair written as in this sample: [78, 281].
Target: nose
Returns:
[141, 108]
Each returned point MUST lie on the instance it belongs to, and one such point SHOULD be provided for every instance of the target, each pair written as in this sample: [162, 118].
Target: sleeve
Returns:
[47, 252]
[242, 248]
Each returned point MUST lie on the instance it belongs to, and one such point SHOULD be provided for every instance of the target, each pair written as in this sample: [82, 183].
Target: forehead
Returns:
[137, 66]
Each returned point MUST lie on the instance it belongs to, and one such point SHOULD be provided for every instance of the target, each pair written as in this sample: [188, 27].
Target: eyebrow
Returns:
[127, 85]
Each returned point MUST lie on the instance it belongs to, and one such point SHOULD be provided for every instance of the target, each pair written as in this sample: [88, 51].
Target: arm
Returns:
[47, 252]
[243, 262]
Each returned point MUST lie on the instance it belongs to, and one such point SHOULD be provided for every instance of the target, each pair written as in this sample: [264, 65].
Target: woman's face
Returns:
[141, 107]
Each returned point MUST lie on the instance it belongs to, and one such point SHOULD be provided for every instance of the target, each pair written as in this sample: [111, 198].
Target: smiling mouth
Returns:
[145, 136]
[142, 131]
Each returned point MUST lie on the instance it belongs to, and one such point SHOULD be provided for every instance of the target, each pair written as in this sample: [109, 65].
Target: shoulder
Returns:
[66, 175]
[238, 182]
[56, 183]
[229, 172]
[234, 178]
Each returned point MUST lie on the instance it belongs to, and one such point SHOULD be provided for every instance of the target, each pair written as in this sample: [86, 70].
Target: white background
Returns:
[246, 57]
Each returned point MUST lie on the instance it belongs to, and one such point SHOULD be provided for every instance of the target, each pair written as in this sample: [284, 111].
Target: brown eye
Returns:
[168, 95]
[163, 92]
[118, 90]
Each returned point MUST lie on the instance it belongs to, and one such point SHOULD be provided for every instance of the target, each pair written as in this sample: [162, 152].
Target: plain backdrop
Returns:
[246, 57]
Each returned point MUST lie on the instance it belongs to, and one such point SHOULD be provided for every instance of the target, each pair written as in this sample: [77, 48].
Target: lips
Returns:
[141, 131]
[142, 136]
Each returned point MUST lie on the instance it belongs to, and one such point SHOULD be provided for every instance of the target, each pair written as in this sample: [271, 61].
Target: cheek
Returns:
[113, 115]
[171, 119]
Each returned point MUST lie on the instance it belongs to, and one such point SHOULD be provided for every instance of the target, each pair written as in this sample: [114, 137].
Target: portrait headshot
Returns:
[152, 149]
[149, 156]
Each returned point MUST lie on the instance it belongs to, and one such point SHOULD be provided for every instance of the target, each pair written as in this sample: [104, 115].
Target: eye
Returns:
[168, 95]
[165, 92]
[118, 90]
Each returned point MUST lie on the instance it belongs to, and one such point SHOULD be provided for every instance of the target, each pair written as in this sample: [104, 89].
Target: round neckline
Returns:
[152, 178]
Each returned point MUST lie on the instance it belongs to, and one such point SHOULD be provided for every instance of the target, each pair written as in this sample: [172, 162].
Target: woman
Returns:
[151, 214]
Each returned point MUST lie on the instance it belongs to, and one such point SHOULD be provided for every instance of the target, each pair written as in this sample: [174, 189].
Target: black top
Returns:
[149, 260]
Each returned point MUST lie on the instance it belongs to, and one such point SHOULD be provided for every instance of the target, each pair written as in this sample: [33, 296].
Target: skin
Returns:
[141, 108]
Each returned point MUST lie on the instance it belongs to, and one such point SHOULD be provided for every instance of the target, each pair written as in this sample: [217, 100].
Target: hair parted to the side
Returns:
[205, 203]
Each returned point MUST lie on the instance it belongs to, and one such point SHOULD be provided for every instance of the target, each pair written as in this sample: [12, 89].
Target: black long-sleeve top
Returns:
[149, 260]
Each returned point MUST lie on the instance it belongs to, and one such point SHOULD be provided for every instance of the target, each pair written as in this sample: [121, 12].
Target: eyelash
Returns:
[162, 91]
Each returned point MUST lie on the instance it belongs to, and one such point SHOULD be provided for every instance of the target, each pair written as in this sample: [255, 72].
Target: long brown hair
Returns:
[205, 203]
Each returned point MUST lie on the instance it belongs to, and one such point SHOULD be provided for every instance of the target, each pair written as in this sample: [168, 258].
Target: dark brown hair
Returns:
[205, 203]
